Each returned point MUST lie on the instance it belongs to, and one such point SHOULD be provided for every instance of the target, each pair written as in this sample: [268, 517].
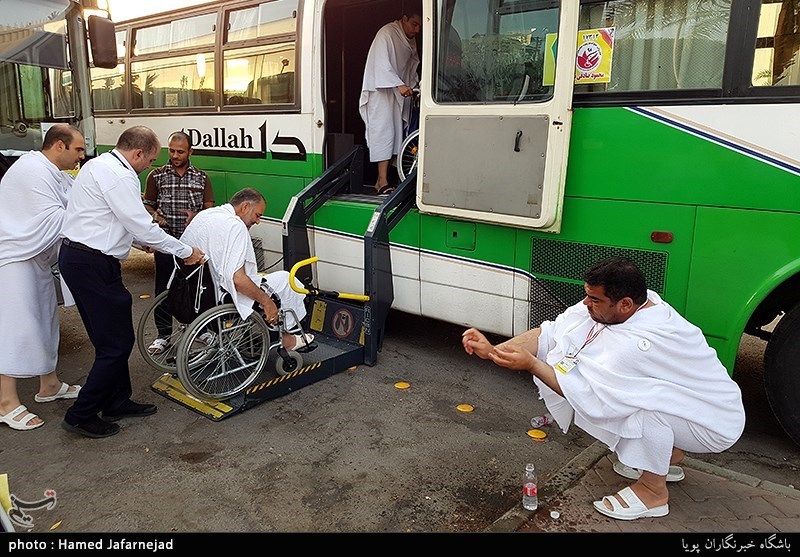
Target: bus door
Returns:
[494, 135]
[495, 114]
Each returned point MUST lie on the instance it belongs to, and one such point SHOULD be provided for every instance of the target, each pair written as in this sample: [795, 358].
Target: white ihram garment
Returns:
[392, 61]
[642, 386]
[33, 200]
[224, 238]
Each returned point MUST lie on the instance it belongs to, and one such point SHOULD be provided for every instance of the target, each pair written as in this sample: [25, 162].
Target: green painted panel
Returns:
[616, 153]
[738, 257]
[277, 190]
[407, 231]
[219, 183]
[353, 218]
[493, 244]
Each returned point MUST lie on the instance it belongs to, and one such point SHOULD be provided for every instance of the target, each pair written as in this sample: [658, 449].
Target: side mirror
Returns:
[103, 42]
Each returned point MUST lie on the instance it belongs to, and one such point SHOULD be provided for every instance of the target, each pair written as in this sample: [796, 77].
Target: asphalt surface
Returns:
[351, 453]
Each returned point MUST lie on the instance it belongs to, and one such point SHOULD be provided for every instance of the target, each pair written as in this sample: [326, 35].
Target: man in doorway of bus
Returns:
[33, 201]
[104, 217]
[390, 75]
[223, 235]
[173, 195]
[632, 372]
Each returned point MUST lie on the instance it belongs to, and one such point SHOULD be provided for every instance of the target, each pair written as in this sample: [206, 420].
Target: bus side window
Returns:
[661, 44]
[263, 73]
[776, 61]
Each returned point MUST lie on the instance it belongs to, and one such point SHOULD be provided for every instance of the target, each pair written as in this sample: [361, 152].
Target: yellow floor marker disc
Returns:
[144, 296]
[465, 408]
[402, 385]
[537, 434]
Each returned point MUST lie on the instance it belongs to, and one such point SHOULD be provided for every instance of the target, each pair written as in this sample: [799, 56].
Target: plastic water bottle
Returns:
[530, 492]
[539, 421]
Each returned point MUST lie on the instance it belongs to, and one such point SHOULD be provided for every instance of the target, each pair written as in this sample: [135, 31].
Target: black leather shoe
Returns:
[130, 410]
[95, 428]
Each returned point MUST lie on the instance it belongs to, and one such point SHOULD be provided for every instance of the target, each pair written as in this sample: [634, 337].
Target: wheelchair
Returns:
[218, 355]
[406, 161]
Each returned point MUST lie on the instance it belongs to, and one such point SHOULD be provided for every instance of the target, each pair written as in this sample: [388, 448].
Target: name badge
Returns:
[567, 364]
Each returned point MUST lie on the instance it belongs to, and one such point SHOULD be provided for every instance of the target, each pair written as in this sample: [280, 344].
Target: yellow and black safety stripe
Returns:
[286, 377]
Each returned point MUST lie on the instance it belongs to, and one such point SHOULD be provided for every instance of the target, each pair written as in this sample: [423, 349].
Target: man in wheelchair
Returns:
[222, 233]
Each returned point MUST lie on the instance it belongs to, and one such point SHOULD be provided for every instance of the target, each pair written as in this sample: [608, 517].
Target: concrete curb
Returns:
[576, 468]
[555, 484]
[746, 479]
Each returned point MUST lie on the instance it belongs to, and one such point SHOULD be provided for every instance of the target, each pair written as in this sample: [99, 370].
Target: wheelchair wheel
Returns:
[146, 333]
[287, 366]
[220, 354]
[407, 157]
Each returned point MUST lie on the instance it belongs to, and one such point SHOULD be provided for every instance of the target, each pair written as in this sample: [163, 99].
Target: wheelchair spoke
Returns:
[223, 366]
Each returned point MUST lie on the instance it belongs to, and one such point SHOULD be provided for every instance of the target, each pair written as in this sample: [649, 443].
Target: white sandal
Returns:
[158, 346]
[301, 341]
[635, 509]
[23, 424]
[63, 392]
[207, 338]
[675, 473]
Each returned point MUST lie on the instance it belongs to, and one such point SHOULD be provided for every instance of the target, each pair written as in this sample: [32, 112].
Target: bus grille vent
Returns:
[558, 268]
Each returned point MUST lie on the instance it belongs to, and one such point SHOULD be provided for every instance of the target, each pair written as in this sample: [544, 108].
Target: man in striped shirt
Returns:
[174, 194]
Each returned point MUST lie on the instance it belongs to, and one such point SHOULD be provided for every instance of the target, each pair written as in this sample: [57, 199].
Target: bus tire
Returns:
[782, 373]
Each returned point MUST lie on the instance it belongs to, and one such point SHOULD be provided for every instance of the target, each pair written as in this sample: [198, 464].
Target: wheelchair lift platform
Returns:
[339, 346]
[348, 328]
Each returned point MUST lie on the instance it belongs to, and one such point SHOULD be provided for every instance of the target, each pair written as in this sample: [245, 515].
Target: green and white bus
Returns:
[552, 134]
[44, 69]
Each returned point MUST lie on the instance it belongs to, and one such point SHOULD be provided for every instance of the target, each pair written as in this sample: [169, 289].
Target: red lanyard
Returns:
[591, 335]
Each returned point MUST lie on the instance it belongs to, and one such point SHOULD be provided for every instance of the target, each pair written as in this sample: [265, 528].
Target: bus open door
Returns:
[496, 110]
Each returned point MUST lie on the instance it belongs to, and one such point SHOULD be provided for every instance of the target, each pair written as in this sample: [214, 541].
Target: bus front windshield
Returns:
[35, 84]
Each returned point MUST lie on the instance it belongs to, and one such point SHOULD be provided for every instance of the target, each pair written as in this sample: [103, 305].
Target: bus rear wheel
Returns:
[782, 373]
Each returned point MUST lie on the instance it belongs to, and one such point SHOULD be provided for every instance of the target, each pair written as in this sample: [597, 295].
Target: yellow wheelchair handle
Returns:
[314, 291]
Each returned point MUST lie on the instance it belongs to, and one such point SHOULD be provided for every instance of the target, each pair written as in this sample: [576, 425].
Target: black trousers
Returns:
[105, 306]
[164, 265]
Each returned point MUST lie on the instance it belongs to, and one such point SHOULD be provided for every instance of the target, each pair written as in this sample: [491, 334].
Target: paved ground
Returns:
[349, 453]
[710, 499]
[354, 454]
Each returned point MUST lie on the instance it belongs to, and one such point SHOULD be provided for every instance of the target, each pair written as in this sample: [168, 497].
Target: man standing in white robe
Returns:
[222, 233]
[390, 75]
[33, 201]
[632, 372]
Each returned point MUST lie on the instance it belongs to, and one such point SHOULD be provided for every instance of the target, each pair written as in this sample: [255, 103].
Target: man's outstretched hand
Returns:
[476, 343]
[513, 357]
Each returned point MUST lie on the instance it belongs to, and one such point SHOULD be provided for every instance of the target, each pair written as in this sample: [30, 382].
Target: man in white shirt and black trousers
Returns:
[104, 217]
